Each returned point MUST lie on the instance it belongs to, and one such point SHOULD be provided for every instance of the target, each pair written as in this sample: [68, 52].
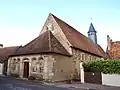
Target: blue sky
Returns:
[22, 20]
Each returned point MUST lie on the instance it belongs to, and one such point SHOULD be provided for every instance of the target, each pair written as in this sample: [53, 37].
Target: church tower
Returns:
[92, 34]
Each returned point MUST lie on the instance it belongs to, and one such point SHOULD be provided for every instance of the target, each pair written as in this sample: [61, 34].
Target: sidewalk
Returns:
[85, 86]
[73, 86]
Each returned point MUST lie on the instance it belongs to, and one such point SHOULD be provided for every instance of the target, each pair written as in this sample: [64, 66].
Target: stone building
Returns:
[56, 53]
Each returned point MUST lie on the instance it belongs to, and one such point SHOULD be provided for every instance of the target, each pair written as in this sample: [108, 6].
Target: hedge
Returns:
[104, 66]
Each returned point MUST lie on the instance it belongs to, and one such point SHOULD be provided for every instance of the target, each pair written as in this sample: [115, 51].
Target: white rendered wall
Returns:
[1, 68]
[111, 79]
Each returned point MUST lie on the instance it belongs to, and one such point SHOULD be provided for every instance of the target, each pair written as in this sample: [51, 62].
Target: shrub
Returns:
[31, 78]
[104, 66]
[68, 81]
[40, 79]
[14, 75]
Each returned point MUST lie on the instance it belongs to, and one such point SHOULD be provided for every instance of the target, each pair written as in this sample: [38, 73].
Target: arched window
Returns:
[40, 64]
[25, 59]
[34, 64]
[40, 58]
[14, 64]
[18, 59]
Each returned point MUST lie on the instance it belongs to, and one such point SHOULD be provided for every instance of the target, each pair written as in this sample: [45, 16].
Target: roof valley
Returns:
[77, 39]
[49, 40]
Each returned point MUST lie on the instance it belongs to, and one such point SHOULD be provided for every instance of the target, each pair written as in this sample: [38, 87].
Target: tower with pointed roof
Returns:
[92, 34]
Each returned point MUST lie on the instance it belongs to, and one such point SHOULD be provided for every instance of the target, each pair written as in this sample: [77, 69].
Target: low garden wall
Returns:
[110, 70]
[111, 79]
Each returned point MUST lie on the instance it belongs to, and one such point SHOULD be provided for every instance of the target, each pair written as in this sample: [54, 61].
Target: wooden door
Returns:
[26, 69]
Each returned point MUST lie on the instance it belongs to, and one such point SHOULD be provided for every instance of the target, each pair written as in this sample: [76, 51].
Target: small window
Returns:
[34, 68]
[89, 57]
[40, 58]
[14, 64]
[82, 56]
[34, 65]
[18, 59]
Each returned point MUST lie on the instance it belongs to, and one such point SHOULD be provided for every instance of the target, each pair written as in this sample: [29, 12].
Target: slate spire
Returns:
[91, 28]
[92, 33]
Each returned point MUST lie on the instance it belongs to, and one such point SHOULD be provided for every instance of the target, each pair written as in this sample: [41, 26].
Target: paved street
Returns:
[12, 84]
[7, 83]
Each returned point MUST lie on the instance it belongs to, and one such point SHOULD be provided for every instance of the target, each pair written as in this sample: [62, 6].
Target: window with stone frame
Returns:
[14, 64]
[94, 58]
[91, 57]
[34, 65]
[82, 56]
[25, 58]
[40, 64]
[18, 64]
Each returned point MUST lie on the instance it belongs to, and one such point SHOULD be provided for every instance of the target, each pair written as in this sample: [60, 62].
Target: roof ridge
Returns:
[44, 43]
[58, 43]
[34, 39]
[64, 22]
[49, 40]
[69, 31]
[69, 26]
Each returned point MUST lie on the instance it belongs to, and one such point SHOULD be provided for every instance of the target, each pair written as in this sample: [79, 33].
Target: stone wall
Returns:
[66, 67]
[38, 65]
[80, 56]
[54, 67]
[52, 25]
[63, 67]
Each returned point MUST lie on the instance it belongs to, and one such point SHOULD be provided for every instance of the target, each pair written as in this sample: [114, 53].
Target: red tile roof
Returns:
[114, 51]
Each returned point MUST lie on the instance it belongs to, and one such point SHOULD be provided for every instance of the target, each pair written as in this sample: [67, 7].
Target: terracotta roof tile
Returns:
[114, 51]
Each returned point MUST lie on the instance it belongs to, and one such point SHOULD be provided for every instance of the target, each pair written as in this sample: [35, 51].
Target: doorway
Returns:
[26, 70]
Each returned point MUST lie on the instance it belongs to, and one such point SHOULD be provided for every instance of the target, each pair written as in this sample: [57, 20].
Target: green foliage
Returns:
[14, 75]
[105, 66]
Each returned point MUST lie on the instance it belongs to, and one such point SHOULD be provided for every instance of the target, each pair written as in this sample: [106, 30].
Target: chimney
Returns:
[1, 45]
[108, 42]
